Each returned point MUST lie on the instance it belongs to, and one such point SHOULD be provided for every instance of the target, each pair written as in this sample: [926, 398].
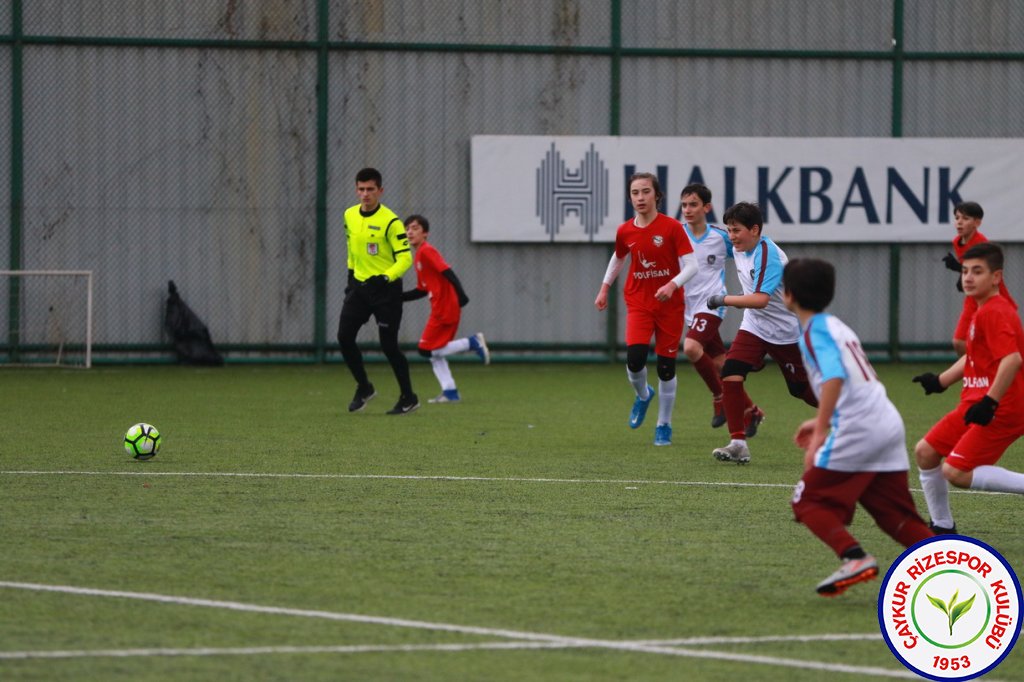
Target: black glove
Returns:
[981, 412]
[951, 262]
[350, 283]
[463, 300]
[716, 302]
[930, 383]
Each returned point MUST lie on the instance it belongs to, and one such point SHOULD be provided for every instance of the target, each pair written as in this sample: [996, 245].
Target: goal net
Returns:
[46, 318]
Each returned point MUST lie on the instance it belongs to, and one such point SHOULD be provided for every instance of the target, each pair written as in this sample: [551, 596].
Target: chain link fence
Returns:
[214, 143]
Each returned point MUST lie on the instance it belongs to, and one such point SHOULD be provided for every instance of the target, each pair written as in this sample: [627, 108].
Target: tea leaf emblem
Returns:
[953, 610]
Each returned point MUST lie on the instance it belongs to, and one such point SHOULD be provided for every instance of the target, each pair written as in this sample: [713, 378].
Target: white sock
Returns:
[936, 496]
[997, 479]
[666, 400]
[443, 373]
[456, 346]
[639, 381]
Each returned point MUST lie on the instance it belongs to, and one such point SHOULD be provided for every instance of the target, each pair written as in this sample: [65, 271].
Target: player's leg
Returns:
[791, 364]
[702, 345]
[436, 344]
[929, 453]
[972, 463]
[639, 329]
[388, 312]
[354, 314]
[668, 332]
[888, 501]
[745, 355]
[824, 501]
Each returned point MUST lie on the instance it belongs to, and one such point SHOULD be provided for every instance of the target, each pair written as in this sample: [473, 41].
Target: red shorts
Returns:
[437, 334]
[963, 325]
[884, 494]
[705, 332]
[667, 330]
[751, 349]
[967, 446]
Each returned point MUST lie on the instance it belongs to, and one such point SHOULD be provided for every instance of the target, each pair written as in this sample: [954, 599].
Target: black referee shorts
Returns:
[383, 302]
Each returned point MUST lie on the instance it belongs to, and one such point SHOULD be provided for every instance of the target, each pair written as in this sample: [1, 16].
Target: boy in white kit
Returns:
[703, 344]
[768, 328]
[855, 448]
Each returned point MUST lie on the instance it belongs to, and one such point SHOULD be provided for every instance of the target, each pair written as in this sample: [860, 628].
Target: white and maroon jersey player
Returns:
[711, 251]
[867, 431]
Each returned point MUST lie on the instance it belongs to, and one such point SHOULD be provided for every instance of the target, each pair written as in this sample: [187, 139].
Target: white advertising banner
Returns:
[573, 188]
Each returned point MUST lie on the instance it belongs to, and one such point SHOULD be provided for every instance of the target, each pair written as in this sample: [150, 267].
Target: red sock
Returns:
[829, 529]
[705, 367]
[735, 400]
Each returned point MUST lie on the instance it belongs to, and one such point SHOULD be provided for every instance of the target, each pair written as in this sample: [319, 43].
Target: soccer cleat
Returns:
[851, 572]
[450, 395]
[362, 397]
[718, 417]
[636, 417]
[478, 344]
[939, 530]
[752, 418]
[405, 404]
[733, 452]
[663, 434]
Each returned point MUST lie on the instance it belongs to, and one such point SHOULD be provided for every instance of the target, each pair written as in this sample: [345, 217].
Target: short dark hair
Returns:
[700, 189]
[971, 209]
[989, 252]
[654, 183]
[370, 175]
[744, 213]
[424, 223]
[811, 282]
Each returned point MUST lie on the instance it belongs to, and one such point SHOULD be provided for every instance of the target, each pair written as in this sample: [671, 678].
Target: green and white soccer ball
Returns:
[142, 441]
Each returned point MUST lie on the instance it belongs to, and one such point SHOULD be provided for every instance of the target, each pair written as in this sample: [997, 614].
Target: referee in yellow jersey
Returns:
[378, 255]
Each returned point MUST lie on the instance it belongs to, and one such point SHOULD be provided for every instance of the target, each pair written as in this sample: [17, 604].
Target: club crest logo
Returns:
[658, 240]
[712, 258]
[949, 608]
[372, 248]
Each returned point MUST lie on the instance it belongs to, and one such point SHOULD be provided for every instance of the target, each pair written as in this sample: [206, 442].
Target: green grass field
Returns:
[524, 534]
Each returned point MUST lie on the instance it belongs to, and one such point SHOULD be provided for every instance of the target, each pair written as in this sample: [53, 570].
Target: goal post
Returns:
[46, 317]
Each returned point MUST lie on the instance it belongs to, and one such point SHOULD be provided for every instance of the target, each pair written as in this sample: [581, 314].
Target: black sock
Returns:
[854, 552]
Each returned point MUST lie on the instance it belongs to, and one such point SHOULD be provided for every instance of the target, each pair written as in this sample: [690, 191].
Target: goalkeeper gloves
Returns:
[981, 412]
[716, 302]
[951, 262]
[930, 383]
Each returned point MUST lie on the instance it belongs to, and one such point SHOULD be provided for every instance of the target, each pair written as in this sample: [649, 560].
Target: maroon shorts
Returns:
[968, 446]
[751, 349]
[704, 331]
[882, 493]
[437, 334]
[667, 330]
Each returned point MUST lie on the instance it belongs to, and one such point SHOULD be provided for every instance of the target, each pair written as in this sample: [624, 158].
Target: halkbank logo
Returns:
[949, 608]
[581, 191]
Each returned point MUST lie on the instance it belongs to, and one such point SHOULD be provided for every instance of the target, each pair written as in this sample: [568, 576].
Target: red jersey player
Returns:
[990, 416]
[436, 279]
[967, 217]
[661, 260]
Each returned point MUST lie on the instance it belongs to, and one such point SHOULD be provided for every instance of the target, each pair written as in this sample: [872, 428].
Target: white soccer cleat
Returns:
[737, 452]
[851, 572]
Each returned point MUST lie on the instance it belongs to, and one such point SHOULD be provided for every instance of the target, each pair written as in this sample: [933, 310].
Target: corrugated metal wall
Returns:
[159, 145]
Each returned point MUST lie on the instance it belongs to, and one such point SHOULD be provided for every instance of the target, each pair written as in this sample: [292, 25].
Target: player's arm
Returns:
[395, 234]
[812, 433]
[614, 267]
[1008, 368]
[758, 299]
[937, 383]
[687, 269]
[413, 295]
[450, 275]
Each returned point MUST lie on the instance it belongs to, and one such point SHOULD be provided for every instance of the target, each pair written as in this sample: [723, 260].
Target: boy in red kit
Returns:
[436, 279]
[967, 217]
[661, 261]
[969, 441]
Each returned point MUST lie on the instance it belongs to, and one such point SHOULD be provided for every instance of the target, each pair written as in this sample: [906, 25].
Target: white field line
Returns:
[528, 637]
[400, 477]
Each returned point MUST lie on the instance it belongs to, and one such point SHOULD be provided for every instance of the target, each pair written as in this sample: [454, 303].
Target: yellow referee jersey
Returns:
[377, 244]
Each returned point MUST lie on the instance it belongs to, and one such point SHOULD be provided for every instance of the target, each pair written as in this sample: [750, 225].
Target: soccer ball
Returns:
[142, 441]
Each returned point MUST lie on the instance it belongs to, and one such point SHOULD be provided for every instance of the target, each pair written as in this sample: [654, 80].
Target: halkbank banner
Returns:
[826, 189]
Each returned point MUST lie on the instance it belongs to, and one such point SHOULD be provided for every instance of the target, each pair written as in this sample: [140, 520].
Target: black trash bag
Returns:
[192, 341]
